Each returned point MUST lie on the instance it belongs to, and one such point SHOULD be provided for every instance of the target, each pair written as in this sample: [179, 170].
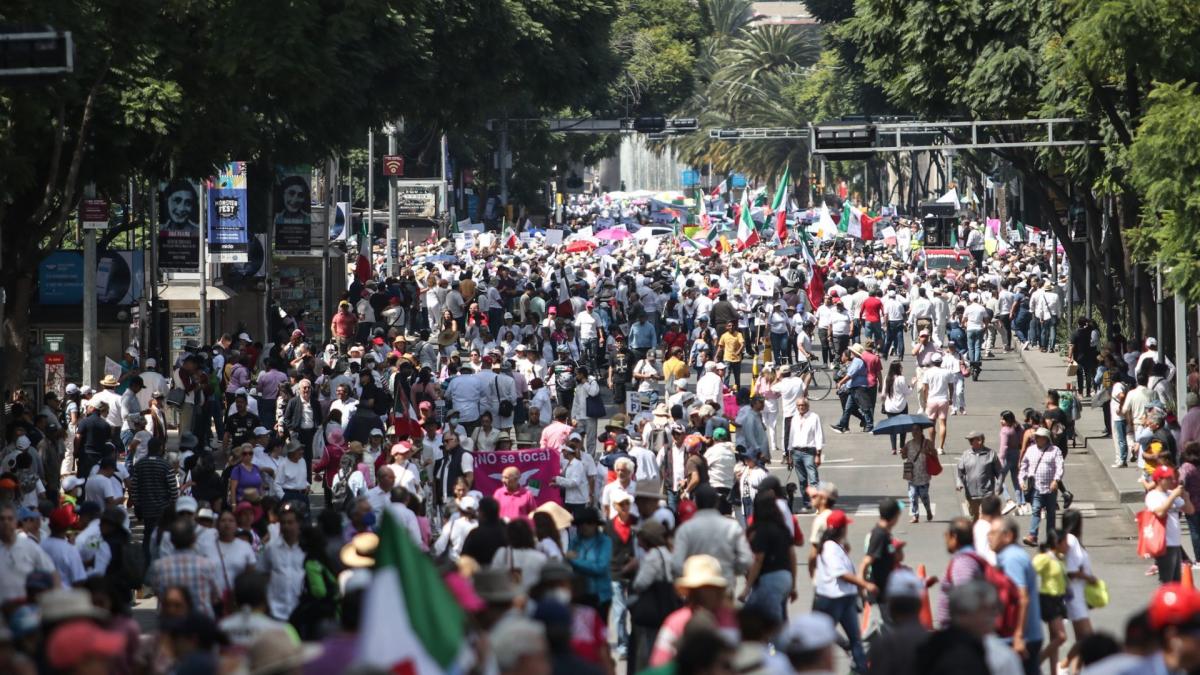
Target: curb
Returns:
[1131, 498]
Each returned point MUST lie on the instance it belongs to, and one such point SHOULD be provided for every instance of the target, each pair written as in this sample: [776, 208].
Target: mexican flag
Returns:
[844, 223]
[719, 190]
[747, 234]
[510, 238]
[862, 225]
[411, 624]
[779, 201]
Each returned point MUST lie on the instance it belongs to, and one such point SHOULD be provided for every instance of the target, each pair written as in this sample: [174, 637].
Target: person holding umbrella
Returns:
[916, 470]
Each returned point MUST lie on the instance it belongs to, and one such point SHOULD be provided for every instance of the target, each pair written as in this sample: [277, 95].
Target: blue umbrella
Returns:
[901, 423]
[441, 257]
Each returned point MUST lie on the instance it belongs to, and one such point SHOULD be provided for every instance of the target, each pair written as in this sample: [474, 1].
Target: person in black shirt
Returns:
[483, 542]
[771, 581]
[880, 558]
[1085, 354]
[620, 370]
[94, 431]
[240, 424]
[1056, 420]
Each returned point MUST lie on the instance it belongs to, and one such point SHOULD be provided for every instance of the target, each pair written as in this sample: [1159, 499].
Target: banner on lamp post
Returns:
[228, 226]
[179, 227]
[293, 211]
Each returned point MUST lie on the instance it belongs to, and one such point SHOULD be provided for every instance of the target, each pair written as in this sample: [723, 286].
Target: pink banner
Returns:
[994, 225]
[538, 467]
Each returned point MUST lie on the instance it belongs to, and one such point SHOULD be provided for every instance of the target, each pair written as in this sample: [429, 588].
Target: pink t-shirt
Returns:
[517, 504]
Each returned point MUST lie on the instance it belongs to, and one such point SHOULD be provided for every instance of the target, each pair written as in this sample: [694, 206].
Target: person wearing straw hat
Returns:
[704, 587]
[108, 395]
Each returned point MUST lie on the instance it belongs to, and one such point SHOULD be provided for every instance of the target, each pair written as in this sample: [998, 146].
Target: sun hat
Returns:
[276, 652]
[562, 518]
[68, 603]
[75, 641]
[700, 571]
[360, 550]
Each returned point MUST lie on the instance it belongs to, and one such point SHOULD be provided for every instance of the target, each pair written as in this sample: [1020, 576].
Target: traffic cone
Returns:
[926, 615]
[866, 618]
[1185, 576]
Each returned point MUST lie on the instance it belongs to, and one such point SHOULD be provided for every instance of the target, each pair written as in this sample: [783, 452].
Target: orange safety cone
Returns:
[866, 618]
[926, 615]
[1185, 576]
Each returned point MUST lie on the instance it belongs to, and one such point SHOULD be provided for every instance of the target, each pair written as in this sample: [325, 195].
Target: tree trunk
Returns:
[20, 288]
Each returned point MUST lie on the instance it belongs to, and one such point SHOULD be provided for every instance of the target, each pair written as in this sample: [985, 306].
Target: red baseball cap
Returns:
[63, 517]
[1162, 471]
[838, 518]
[75, 641]
[1173, 605]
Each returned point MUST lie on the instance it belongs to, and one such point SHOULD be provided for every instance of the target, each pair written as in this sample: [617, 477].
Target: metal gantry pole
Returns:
[393, 223]
[371, 199]
[1181, 350]
[89, 297]
[442, 192]
[1158, 302]
[204, 216]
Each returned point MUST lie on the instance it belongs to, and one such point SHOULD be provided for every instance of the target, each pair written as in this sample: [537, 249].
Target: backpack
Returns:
[1006, 590]
[343, 499]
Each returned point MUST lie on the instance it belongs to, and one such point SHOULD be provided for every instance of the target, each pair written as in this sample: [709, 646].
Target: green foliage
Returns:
[1166, 170]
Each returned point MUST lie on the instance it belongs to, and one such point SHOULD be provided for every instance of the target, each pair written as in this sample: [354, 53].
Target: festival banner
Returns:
[179, 227]
[293, 211]
[228, 221]
[538, 467]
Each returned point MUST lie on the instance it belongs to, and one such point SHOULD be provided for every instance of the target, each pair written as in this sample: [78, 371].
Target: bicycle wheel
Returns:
[820, 384]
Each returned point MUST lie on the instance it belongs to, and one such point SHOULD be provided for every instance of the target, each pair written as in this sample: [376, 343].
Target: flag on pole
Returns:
[747, 234]
[510, 238]
[862, 225]
[844, 223]
[719, 190]
[705, 221]
[780, 199]
[411, 621]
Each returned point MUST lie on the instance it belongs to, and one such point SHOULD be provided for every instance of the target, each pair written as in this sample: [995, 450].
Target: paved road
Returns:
[866, 472]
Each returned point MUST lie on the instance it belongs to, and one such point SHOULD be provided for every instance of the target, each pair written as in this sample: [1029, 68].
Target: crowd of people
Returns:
[673, 392]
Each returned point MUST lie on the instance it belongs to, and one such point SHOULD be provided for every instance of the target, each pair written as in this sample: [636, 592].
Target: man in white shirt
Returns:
[805, 442]
[345, 402]
[465, 393]
[976, 317]
[282, 561]
[708, 387]
[152, 381]
[108, 394]
[573, 478]
[935, 390]
[1045, 308]
[1152, 353]
[791, 388]
[893, 316]
[22, 556]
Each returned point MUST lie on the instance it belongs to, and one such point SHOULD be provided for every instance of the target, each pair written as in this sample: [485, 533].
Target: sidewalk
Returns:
[1049, 371]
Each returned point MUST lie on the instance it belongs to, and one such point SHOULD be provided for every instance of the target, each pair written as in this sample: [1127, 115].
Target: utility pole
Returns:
[90, 331]
[1180, 322]
[443, 207]
[502, 164]
[331, 183]
[371, 198]
[393, 223]
[204, 216]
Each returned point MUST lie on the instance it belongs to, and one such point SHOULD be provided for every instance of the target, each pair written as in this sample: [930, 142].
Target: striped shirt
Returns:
[152, 487]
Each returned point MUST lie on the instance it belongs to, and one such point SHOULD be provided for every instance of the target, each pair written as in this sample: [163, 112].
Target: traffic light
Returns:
[650, 125]
[35, 52]
[843, 136]
[678, 124]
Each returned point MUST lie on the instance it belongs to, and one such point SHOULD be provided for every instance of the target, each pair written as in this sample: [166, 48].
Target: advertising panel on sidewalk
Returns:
[179, 227]
[296, 233]
[119, 278]
[228, 222]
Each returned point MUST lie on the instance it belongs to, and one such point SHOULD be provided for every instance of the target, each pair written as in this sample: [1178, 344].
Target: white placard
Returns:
[554, 237]
[762, 285]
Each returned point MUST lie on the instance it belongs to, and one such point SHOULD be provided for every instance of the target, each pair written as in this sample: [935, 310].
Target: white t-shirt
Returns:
[976, 316]
[832, 564]
[899, 398]
[1155, 499]
[939, 380]
[979, 532]
[238, 556]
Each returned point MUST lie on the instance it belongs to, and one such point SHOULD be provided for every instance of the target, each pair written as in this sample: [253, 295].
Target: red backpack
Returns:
[1009, 595]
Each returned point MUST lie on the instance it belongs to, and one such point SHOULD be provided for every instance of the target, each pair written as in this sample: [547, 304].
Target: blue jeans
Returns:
[858, 401]
[804, 461]
[919, 492]
[975, 346]
[895, 339]
[770, 593]
[779, 346]
[1012, 468]
[874, 330]
[1120, 439]
[844, 611]
[618, 611]
[1049, 337]
[1048, 501]
[898, 436]
[1194, 527]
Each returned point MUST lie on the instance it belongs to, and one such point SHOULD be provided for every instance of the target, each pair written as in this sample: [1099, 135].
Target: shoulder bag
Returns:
[933, 465]
[657, 602]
